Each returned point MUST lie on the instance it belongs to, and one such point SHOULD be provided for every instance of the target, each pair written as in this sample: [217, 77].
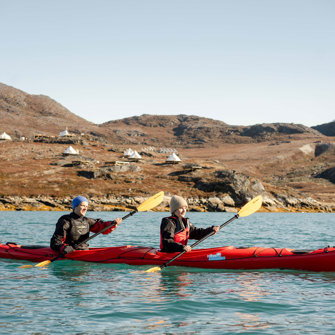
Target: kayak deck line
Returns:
[227, 257]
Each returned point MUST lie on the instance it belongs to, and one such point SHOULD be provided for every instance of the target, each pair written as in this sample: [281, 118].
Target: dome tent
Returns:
[64, 133]
[5, 136]
[70, 151]
[128, 153]
[173, 158]
[135, 156]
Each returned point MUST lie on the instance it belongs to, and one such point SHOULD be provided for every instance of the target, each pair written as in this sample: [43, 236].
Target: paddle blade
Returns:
[251, 207]
[28, 266]
[44, 263]
[154, 269]
[151, 202]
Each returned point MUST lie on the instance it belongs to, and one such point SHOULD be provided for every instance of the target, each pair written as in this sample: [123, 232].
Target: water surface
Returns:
[82, 298]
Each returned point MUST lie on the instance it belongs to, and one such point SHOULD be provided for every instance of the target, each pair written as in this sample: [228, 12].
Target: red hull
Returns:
[215, 258]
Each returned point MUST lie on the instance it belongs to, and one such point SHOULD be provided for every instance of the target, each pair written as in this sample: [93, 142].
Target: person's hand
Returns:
[216, 229]
[67, 249]
[116, 222]
[187, 248]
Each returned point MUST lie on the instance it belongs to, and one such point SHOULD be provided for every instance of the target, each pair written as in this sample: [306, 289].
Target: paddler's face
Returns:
[181, 212]
[81, 209]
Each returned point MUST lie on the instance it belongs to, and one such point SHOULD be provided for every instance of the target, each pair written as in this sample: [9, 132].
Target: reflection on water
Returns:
[250, 287]
[249, 322]
[175, 284]
[69, 270]
[156, 324]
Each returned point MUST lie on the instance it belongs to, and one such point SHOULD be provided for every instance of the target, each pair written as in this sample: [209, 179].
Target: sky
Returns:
[243, 62]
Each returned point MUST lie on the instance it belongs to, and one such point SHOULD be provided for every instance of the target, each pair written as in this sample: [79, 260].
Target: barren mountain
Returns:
[190, 130]
[26, 115]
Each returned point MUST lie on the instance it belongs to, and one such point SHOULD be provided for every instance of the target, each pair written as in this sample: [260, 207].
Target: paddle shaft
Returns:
[110, 226]
[199, 241]
[98, 233]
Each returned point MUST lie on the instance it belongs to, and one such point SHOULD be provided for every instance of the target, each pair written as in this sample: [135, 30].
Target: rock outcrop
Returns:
[328, 174]
[327, 129]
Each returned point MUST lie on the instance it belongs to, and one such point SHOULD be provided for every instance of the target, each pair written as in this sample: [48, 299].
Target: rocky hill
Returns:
[190, 130]
[222, 166]
[23, 114]
[327, 129]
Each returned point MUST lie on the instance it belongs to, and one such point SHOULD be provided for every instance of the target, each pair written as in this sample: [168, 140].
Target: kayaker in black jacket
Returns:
[176, 229]
[72, 229]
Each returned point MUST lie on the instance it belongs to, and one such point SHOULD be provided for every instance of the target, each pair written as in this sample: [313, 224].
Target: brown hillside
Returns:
[194, 131]
[26, 115]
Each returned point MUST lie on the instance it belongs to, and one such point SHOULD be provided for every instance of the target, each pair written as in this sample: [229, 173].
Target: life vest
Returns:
[182, 233]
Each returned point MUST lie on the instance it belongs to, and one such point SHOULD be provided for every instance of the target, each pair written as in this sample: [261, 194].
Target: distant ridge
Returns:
[26, 115]
[194, 130]
[327, 129]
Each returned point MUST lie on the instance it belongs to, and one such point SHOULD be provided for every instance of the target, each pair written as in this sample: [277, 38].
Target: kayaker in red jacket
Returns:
[72, 229]
[176, 229]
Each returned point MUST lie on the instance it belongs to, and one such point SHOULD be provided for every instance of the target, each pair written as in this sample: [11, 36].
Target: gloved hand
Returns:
[66, 249]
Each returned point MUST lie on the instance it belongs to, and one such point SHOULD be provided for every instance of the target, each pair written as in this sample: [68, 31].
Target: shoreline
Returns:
[125, 204]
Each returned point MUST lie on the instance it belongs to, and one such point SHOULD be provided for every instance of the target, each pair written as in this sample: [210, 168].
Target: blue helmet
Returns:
[78, 200]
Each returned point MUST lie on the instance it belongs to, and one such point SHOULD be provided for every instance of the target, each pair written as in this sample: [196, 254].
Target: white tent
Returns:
[64, 133]
[128, 153]
[71, 151]
[173, 158]
[5, 136]
[135, 156]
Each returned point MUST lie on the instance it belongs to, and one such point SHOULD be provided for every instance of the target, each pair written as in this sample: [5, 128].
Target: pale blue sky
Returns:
[239, 61]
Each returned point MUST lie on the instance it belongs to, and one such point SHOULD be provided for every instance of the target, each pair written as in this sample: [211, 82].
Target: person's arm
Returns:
[199, 233]
[98, 225]
[167, 233]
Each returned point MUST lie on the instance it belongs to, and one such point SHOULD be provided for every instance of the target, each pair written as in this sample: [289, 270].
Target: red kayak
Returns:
[215, 258]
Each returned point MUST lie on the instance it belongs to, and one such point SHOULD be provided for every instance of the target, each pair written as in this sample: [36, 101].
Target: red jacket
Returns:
[174, 233]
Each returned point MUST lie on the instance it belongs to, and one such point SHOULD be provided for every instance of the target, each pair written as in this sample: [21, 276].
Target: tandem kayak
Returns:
[229, 257]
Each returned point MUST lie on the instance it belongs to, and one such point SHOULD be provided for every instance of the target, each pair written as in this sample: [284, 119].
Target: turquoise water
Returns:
[83, 298]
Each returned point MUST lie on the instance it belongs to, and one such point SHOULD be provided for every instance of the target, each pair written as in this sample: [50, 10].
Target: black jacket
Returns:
[71, 229]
